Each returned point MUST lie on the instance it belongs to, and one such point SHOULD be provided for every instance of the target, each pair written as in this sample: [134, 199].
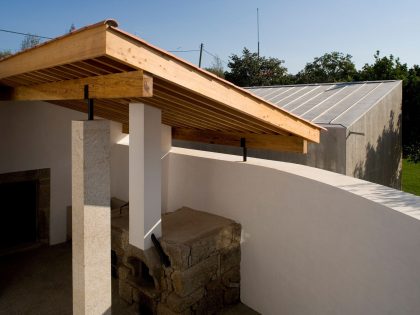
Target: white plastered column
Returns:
[145, 172]
[91, 228]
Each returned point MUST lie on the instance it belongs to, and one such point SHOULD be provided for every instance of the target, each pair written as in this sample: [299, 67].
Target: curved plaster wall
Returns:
[314, 242]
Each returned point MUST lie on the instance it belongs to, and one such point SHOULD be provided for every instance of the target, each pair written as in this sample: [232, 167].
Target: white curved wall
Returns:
[314, 242]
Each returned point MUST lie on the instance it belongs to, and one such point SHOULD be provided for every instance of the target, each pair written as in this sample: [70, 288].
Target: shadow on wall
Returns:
[382, 164]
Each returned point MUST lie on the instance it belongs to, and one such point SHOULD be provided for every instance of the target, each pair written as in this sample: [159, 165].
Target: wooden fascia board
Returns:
[254, 141]
[86, 44]
[117, 85]
[138, 54]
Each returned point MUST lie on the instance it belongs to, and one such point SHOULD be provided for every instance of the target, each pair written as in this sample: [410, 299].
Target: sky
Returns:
[295, 31]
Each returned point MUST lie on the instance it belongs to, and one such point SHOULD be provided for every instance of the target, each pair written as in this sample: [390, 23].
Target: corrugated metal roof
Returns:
[329, 103]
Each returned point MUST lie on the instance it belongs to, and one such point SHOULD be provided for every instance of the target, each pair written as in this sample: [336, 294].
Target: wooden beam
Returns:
[82, 44]
[253, 141]
[137, 53]
[118, 85]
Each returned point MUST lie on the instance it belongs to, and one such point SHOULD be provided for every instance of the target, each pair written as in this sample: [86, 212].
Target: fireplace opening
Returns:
[18, 204]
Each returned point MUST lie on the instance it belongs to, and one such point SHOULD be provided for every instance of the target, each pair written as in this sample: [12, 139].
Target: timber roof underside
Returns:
[189, 98]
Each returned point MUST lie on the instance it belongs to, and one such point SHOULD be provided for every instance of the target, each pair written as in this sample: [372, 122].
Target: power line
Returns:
[171, 51]
[25, 34]
[214, 56]
[188, 50]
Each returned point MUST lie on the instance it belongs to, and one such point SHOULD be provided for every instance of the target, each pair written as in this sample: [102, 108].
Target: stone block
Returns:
[123, 272]
[236, 233]
[144, 301]
[153, 262]
[231, 296]
[178, 254]
[163, 309]
[210, 244]
[125, 291]
[212, 302]
[232, 277]
[116, 239]
[187, 281]
[229, 258]
[180, 304]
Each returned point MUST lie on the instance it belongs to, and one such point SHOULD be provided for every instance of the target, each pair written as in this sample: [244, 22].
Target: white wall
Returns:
[314, 242]
[38, 135]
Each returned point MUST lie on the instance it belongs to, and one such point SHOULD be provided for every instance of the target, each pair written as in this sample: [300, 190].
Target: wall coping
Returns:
[397, 200]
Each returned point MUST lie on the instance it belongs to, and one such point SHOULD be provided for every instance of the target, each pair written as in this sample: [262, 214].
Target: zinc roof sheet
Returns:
[329, 103]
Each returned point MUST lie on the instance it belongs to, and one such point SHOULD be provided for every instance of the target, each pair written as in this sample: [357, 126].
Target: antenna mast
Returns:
[258, 33]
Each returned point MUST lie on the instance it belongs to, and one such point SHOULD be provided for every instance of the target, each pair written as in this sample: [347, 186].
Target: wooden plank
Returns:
[84, 44]
[141, 55]
[254, 141]
[118, 85]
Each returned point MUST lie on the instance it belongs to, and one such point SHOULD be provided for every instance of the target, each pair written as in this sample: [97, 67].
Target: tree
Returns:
[391, 68]
[331, 67]
[251, 70]
[5, 53]
[216, 67]
[384, 68]
[29, 41]
[411, 114]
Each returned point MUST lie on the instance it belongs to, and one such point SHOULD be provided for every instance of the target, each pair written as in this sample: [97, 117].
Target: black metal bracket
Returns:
[244, 148]
[89, 103]
[163, 257]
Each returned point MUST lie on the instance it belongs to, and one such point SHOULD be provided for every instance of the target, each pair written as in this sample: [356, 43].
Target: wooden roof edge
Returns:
[215, 77]
[107, 23]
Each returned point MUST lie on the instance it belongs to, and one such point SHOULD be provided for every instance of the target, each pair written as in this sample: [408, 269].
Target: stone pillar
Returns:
[91, 226]
[144, 174]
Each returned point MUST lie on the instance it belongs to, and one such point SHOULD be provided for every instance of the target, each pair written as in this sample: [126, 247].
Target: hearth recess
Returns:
[203, 272]
[24, 209]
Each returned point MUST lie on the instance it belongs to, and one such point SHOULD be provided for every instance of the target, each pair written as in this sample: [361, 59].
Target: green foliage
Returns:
[384, 68]
[390, 68]
[331, 67]
[413, 153]
[410, 177]
[29, 41]
[217, 67]
[251, 70]
[5, 53]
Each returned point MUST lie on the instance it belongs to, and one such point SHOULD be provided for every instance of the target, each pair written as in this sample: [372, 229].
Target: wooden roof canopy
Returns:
[120, 68]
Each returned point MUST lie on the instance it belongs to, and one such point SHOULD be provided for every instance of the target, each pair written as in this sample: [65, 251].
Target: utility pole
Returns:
[258, 33]
[201, 54]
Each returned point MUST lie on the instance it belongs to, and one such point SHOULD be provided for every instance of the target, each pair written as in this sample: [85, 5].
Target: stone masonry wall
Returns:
[204, 275]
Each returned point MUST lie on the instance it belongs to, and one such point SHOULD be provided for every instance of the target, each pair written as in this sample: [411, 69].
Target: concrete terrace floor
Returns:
[38, 281]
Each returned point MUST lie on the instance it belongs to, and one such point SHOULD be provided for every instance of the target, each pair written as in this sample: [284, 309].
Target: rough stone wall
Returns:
[204, 275]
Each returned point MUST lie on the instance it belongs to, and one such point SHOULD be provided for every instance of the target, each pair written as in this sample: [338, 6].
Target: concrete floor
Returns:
[39, 282]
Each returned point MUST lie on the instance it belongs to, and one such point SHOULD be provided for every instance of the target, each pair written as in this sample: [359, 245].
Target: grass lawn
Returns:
[411, 177]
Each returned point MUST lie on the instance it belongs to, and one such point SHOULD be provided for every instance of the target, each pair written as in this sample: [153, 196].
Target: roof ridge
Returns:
[318, 84]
